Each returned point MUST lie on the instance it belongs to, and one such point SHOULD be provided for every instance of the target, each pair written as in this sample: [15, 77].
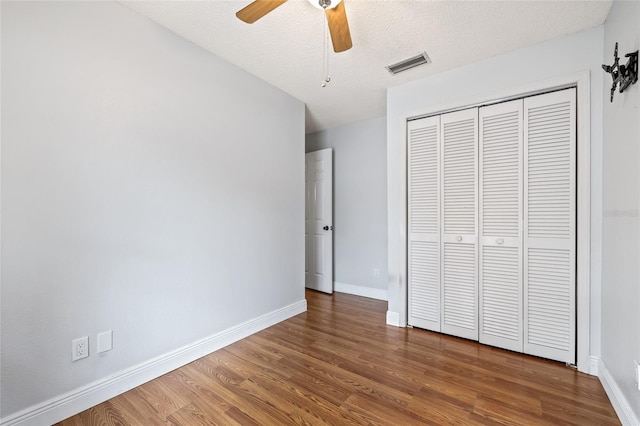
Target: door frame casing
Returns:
[398, 231]
[327, 284]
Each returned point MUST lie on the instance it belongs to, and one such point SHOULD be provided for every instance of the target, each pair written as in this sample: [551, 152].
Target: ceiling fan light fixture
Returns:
[324, 4]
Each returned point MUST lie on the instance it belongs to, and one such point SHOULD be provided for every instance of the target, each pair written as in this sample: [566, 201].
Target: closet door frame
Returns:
[397, 196]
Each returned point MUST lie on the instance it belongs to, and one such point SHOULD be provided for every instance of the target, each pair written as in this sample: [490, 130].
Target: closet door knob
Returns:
[499, 241]
[459, 238]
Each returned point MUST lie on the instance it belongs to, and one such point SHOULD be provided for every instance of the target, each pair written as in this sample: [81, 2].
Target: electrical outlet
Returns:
[376, 273]
[79, 348]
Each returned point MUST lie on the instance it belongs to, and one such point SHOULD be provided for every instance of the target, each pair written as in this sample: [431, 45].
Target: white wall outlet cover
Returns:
[79, 348]
[105, 341]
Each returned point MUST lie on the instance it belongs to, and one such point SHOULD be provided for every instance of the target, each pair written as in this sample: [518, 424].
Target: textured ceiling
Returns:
[285, 48]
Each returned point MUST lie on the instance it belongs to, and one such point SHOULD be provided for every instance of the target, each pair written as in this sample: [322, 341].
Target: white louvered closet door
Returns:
[424, 223]
[459, 162]
[550, 225]
[500, 225]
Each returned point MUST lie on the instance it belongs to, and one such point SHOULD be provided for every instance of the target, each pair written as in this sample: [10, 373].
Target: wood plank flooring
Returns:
[339, 364]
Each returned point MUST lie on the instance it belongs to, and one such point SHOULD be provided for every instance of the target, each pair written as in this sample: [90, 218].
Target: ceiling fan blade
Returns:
[339, 28]
[257, 10]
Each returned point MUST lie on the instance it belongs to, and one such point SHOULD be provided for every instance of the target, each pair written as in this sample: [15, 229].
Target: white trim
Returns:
[397, 199]
[82, 398]
[583, 228]
[594, 365]
[360, 290]
[393, 318]
[620, 404]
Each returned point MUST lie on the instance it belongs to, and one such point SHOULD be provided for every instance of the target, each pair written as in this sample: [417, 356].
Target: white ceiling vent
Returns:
[414, 61]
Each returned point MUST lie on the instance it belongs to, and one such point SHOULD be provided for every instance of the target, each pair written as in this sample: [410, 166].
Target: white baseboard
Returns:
[594, 365]
[358, 290]
[393, 318]
[80, 399]
[620, 404]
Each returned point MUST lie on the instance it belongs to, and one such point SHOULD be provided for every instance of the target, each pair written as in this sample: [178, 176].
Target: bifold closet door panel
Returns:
[550, 225]
[500, 225]
[424, 222]
[459, 200]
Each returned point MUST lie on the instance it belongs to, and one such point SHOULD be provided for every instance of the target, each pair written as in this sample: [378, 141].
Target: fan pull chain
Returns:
[325, 52]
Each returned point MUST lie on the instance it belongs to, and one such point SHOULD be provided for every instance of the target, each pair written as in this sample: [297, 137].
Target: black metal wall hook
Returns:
[623, 75]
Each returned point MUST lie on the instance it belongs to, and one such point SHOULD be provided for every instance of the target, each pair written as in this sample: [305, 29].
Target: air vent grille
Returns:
[412, 62]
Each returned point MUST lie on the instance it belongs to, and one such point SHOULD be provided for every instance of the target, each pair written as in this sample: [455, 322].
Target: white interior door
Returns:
[459, 163]
[492, 224]
[424, 223]
[500, 224]
[319, 220]
[550, 225]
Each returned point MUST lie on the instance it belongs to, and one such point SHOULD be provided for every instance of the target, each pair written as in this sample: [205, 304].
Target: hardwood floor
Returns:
[340, 364]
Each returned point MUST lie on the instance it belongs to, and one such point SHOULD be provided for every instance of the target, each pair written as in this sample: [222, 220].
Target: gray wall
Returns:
[486, 80]
[621, 202]
[360, 203]
[148, 188]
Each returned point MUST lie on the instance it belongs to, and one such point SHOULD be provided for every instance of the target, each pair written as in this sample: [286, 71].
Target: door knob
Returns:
[499, 241]
[459, 238]
[327, 228]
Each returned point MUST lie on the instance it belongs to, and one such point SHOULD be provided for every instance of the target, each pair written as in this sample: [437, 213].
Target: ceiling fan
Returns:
[334, 11]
